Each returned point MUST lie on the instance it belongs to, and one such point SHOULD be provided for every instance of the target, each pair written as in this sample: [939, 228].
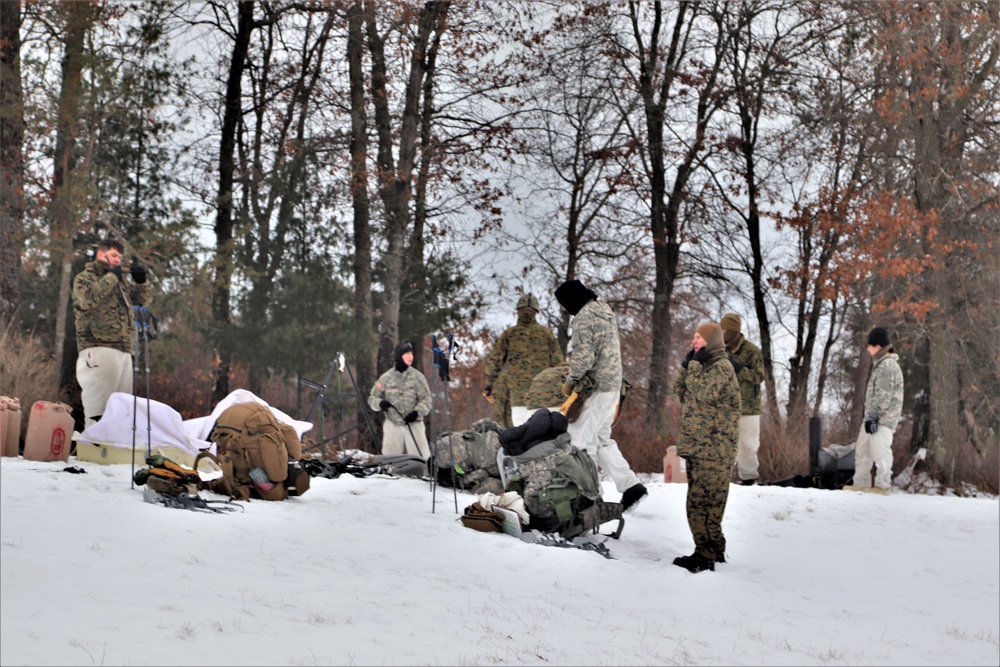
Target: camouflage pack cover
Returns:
[557, 481]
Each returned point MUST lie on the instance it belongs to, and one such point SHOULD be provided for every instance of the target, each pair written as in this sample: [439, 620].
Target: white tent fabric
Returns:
[164, 428]
[200, 427]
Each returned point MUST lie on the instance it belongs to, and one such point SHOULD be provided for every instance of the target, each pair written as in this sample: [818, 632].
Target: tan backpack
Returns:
[254, 452]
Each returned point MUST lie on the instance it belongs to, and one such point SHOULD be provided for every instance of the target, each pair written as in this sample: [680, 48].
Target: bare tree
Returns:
[11, 160]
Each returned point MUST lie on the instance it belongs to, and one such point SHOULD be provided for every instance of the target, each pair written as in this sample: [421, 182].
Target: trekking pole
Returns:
[135, 382]
[409, 428]
[146, 318]
[342, 360]
[441, 361]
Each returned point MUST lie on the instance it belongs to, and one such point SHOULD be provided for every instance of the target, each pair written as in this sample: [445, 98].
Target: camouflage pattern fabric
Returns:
[596, 349]
[750, 376]
[884, 395]
[407, 391]
[708, 492]
[546, 388]
[710, 409]
[710, 418]
[103, 308]
[521, 352]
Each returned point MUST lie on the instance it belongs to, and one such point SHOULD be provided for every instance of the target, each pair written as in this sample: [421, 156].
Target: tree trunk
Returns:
[221, 313]
[11, 160]
[63, 212]
[395, 177]
[364, 361]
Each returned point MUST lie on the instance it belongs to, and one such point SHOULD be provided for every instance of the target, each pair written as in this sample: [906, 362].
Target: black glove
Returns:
[488, 391]
[384, 404]
[117, 270]
[138, 271]
[871, 423]
[701, 355]
[687, 358]
[411, 417]
[737, 366]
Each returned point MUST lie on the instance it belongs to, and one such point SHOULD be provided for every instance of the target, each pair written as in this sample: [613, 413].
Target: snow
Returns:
[362, 572]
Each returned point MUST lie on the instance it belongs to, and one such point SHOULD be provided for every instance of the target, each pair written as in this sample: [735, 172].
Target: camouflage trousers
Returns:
[501, 404]
[708, 491]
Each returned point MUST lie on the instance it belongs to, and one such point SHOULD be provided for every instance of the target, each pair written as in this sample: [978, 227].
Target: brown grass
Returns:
[27, 371]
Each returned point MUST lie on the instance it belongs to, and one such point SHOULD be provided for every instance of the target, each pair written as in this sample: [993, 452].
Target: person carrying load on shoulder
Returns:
[402, 393]
[597, 357]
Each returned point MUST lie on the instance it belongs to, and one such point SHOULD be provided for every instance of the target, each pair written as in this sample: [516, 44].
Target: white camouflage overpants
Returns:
[746, 451]
[591, 432]
[101, 371]
[873, 448]
[406, 439]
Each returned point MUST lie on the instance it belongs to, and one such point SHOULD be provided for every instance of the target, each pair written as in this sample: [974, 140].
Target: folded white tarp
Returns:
[200, 427]
[164, 428]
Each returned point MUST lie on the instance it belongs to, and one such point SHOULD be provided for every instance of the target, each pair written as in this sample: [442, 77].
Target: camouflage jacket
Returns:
[546, 388]
[596, 350]
[521, 352]
[710, 410]
[750, 376]
[884, 395]
[407, 391]
[103, 308]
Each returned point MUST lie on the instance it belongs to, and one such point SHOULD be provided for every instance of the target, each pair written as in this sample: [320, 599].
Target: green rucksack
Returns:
[560, 487]
[468, 459]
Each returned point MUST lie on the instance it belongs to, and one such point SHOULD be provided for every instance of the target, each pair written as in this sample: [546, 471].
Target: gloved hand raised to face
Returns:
[411, 417]
[117, 270]
[688, 358]
[871, 424]
[701, 356]
[384, 404]
[138, 271]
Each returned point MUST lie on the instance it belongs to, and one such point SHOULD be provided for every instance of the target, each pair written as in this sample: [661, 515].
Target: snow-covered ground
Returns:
[362, 572]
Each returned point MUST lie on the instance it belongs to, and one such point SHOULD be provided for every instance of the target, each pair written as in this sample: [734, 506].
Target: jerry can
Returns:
[674, 467]
[11, 437]
[50, 431]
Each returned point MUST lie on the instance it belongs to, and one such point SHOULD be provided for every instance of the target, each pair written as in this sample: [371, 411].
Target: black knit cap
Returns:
[572, 295]
[397, 356]
[878, 336]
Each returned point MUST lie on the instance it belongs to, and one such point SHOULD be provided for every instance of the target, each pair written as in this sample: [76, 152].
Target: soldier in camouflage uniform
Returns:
[709, 394]
[105, 326]
[403, 395]
[883, 408]
[597, 362]
[521, 352]
[749, 366]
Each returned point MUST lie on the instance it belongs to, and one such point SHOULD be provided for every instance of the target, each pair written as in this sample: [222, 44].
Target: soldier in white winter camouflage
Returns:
[403, 395]
[596, 363]
[883, 408]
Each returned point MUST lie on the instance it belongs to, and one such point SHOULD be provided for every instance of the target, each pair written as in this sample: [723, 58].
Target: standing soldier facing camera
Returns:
[521, 352]
[105, 325]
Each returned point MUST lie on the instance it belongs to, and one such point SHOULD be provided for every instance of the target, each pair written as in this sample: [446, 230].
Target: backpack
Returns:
[167, 477]
[560, 488]
[257, 455]
[472, 456]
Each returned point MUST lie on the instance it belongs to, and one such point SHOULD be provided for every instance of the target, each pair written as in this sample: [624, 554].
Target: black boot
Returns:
[694, 563]
[632, 496]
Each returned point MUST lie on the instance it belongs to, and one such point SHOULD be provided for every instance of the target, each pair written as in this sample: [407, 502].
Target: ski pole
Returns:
[149, 420]
[135, 383]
